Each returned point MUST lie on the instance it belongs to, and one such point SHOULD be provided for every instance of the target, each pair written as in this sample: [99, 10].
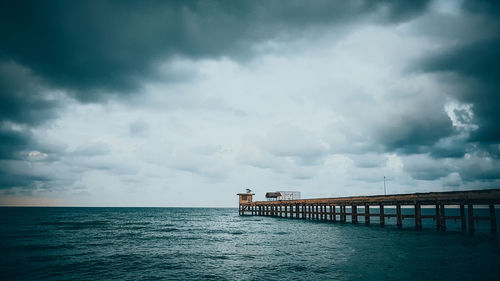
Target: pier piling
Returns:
[382, 215]
[336, 209]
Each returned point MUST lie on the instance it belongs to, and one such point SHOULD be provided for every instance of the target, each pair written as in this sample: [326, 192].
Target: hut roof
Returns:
[273, 194]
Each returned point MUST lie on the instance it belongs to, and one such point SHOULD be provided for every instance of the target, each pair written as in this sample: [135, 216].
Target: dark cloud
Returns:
[451, 147]
[22, 97]
[422, 167]
[490, 7]
[93, 50]
[478, 66]
[472, 65]
[94, 47]
[415, 133]
[11, 180]
[19, 174]
[12, 142]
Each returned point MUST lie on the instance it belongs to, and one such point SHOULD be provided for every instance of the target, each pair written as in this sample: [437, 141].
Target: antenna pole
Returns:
[385, 191]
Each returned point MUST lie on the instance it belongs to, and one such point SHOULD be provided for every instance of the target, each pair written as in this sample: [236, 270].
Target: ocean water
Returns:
[217, 244]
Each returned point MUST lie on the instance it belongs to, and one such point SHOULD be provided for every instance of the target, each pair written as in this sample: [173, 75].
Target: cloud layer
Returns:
[128, 103]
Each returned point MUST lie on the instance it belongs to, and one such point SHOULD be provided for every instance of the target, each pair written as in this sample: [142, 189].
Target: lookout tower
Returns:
[245, 200]
[246, 197]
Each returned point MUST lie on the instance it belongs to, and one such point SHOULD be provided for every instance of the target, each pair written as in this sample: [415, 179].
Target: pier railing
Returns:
[335, 209]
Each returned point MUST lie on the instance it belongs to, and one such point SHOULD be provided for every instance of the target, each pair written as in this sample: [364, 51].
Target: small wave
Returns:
[219, 257]
[135, 223]
[39, 247]
[137, 227]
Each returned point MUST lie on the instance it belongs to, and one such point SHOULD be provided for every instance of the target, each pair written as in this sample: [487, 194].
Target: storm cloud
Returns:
[174, 97]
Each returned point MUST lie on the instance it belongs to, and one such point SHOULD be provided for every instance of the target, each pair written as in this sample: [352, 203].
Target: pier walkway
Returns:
[335, 209]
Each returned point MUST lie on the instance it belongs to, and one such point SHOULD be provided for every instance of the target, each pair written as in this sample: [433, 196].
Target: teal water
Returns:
[217, 244]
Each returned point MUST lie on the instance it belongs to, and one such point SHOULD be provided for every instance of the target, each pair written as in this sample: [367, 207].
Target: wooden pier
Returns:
[335, 209]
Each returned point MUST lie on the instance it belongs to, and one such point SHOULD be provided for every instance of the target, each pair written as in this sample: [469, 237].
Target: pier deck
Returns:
[334, 209]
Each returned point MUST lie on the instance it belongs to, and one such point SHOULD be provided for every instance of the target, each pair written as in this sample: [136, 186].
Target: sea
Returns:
[42, 243]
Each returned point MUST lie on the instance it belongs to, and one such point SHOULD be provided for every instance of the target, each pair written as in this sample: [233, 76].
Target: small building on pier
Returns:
[282, 195]
[246, 197]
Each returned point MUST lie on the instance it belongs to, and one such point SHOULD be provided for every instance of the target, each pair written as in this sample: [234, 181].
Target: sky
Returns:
[186, 103]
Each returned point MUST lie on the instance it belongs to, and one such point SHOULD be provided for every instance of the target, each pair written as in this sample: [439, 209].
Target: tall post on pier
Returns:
[354, 214]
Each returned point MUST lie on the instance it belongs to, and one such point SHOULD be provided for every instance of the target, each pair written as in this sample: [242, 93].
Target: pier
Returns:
[340, 208]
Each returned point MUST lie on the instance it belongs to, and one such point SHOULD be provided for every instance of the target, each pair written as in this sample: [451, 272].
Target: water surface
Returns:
[217, 244]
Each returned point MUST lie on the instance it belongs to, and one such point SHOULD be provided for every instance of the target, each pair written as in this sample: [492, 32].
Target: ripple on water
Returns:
[163, 243]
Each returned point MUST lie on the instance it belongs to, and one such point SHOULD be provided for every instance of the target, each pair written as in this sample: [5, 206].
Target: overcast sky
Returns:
[172, 103]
